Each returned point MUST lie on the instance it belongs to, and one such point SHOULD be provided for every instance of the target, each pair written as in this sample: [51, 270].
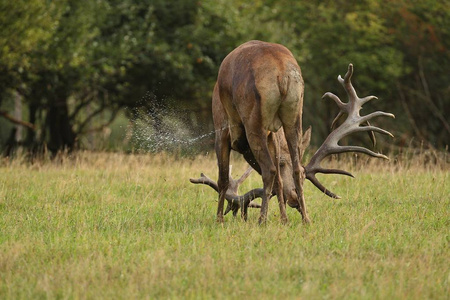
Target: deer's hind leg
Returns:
[257, 139]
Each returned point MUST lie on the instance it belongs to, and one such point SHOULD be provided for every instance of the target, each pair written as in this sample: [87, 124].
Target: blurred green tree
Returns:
[82, 58]
[401, 53]
[71, 62]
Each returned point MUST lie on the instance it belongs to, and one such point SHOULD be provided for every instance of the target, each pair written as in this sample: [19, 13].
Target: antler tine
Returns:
[333, 171]
[376, 129]
[376, 114]
[367, 99]
[245, 199]
[245, 175]
[316, 182]
[342, 149]
[347, 83]
[336, 99]
[234, 200]
[351, 92]
[353, 123]
[333, 124]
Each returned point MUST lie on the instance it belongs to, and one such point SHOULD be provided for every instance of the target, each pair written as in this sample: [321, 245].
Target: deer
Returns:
[257, 107]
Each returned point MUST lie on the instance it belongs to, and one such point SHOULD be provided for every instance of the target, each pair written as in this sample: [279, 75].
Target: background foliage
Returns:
[75, 66]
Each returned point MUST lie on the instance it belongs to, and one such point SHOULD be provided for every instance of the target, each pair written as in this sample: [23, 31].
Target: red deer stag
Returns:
[257, 110]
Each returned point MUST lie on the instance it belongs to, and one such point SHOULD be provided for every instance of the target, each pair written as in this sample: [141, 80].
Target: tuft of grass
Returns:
[97, 225]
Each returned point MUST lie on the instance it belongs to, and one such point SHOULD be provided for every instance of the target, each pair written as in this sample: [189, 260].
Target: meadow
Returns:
[117, 226]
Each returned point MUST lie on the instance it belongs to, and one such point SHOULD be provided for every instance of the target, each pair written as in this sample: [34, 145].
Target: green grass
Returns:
[117, 226]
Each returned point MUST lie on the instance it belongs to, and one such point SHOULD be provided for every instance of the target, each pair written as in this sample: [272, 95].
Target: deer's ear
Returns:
[306, 138]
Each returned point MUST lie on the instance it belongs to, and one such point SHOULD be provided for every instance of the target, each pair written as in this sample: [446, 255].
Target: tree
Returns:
[74, 61]
[105, 55]
[400, 50]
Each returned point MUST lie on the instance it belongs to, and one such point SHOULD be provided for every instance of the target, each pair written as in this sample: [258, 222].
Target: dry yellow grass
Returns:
[97, 225]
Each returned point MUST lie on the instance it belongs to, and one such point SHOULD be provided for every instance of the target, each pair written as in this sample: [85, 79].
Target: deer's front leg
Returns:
[275, 145]
[292, 138]
[223, 158]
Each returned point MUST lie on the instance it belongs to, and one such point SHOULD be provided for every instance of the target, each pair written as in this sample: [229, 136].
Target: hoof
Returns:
[306, 221]
[262, 221]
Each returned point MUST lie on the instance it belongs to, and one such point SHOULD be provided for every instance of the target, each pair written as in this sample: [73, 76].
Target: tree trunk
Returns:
[61, 134]
[18, 116]
[31, 134]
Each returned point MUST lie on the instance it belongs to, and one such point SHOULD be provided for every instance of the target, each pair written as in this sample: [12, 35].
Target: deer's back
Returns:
[263, 78]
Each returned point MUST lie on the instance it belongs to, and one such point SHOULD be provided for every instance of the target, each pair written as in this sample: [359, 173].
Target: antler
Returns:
[349, 126]
[235, 201]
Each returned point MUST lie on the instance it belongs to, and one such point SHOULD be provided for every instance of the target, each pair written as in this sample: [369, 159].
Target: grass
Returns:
[101, 226]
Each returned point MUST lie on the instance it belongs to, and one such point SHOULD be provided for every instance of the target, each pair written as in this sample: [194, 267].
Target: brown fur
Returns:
[257, 111]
